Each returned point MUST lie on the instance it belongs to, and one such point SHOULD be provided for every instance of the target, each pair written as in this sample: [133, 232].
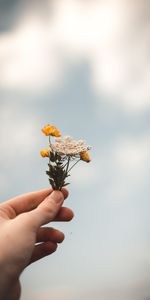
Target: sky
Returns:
[83, 66]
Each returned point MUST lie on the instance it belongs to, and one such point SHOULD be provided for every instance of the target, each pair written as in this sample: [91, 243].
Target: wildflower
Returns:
[45, 153]
[51, 130]
[68, 146]
[61, 155]
[85, 156]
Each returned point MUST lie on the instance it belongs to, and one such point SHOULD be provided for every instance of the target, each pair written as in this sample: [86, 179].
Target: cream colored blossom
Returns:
[70, 147]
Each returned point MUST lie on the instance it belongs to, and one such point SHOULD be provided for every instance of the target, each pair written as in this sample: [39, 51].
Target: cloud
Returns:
[27, 58]
[110, 36]
[120, 171]
[100, 33]
[132, 156]
[126, 169]
[19, 141]
[18, 135]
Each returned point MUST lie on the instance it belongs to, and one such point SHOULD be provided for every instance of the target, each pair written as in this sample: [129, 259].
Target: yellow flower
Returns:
[85, 156]
[51, 130]
[45, 153]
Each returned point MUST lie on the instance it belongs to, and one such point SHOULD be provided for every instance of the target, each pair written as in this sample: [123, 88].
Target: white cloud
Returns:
[20, 142]
[132, 155]
[28, 58]
[127, 169]
[102, 33]
[18, 135]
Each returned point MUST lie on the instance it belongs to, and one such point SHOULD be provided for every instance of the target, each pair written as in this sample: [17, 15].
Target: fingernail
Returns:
[57, 197]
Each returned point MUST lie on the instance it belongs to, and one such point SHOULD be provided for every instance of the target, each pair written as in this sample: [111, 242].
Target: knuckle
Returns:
[49, 211]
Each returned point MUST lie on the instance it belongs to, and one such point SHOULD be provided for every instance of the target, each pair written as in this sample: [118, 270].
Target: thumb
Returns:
[47, 210]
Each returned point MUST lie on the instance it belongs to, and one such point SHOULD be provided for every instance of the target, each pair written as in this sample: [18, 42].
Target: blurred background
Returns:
[83, 66]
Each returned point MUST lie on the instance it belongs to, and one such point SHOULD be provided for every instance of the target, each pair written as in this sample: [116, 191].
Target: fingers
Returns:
[48, 237]
[43, 250]
[64, 214]
[46, 234]
[28, 202]
[45, 212]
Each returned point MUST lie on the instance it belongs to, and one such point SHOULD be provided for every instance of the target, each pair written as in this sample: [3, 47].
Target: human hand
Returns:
[21, 219]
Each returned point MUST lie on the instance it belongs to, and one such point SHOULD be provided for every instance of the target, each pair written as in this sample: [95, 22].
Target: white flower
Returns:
[70, 147]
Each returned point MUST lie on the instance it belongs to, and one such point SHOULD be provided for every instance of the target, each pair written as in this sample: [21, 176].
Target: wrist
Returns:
[8, 283]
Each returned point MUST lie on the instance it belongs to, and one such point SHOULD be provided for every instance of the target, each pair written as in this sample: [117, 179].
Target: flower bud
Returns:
[51, 130]
[45, 153]
[85, 156]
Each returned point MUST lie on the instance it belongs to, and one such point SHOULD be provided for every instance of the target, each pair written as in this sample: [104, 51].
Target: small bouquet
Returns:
[63, 155]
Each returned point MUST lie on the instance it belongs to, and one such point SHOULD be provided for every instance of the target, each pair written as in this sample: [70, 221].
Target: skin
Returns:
[21, 221]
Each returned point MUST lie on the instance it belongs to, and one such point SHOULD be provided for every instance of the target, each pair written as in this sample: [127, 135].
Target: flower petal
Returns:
[45, 153]
[51, 130]
[85, 156]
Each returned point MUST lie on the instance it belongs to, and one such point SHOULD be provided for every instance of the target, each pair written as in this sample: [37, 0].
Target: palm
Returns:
[23, 240]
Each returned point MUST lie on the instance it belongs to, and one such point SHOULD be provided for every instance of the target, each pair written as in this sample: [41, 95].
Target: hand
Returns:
[21, 219]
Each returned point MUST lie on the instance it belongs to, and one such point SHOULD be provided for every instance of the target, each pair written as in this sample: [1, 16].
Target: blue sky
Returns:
[83, 66]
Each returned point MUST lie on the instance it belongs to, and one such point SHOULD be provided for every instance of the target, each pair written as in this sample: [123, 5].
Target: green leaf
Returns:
[58, 157]
[52, 157]
[66, 184]
[48, 173]
[60, 164]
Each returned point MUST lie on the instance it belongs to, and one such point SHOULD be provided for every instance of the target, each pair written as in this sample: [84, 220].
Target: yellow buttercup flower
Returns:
[85, 156]
[45, 153]
[51, 130]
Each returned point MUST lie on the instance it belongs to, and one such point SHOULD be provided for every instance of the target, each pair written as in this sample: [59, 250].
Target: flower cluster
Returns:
[62, 153]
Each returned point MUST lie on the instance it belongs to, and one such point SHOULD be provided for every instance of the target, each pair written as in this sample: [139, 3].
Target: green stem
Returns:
[49, 153]
[74, 165]
[50, 144]
[66, 172]
[67, 165]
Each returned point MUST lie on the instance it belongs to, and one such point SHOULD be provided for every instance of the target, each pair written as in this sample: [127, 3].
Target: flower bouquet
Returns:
[63, 154]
